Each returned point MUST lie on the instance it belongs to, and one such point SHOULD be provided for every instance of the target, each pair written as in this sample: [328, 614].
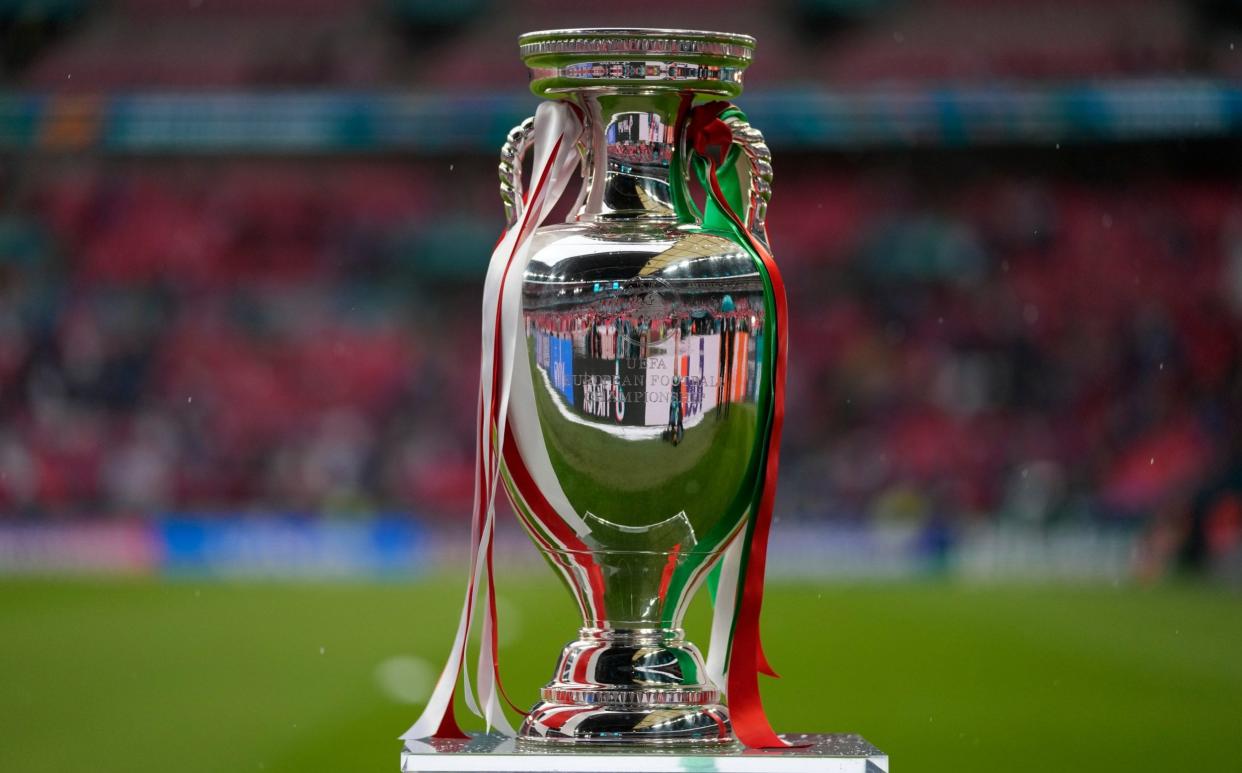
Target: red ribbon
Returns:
[712, 139]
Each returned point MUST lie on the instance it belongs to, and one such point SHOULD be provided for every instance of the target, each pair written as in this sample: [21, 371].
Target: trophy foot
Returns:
[629, 686]
[623, 725]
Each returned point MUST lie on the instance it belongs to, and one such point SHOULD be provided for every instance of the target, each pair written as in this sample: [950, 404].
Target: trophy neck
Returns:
[631, 139]
[632, 636]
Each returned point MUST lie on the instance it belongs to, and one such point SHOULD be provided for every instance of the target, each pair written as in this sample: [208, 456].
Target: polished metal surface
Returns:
[643, 341]
[562, 61]
[815, 753]
[640, 70]
[629, 686]
[638, 41]
[759, 169]
[629, 156]
[639, 412]
[510, 168]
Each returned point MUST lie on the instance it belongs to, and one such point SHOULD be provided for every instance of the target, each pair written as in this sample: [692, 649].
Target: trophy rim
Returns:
[731, 47]
[668, 60]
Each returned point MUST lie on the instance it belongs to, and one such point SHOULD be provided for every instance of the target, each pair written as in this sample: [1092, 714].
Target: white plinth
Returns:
[823, 753]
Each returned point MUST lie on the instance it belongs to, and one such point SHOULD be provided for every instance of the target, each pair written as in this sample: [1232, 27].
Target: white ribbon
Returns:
[717, 665]
[557, 129]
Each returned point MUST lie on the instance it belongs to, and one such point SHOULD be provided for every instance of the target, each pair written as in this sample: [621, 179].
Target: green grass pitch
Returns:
[187, 676]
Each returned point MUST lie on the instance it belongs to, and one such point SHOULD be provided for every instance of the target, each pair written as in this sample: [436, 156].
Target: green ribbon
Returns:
[715, 220]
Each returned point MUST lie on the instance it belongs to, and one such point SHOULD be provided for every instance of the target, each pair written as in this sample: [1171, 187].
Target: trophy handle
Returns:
[759, 169]
[511, 155]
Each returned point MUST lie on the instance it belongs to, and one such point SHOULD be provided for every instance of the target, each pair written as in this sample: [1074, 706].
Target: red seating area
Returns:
[226, 336]
[1082, 340]
[228, 333]
[967, 40]
[217, 331]
[153, 44]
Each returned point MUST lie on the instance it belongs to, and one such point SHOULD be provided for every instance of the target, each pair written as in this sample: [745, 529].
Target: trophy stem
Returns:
[630, 686]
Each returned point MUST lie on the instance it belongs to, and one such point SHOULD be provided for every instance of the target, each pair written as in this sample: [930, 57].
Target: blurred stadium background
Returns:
[239, 241]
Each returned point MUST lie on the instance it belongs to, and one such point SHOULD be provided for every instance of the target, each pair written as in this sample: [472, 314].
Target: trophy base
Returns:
[632, 686]
[814, 753]
[680, 726]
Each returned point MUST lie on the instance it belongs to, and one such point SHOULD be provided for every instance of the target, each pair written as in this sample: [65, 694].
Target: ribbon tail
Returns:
[723, 614]
[557, 130]
[761, 661]
[748, 659]
[489, 661]
[438, 718]
[554, 124]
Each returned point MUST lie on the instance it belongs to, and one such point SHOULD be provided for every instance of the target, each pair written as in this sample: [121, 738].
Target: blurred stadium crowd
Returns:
[1038, 336]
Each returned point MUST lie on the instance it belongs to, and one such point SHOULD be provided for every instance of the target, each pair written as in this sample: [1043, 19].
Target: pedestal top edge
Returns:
[816, 753]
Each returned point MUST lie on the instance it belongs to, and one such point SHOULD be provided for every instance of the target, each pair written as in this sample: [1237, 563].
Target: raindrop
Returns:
[322, 650]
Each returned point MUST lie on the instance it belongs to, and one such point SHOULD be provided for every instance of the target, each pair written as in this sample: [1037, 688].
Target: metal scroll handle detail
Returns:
[751, 142]
[511, 155]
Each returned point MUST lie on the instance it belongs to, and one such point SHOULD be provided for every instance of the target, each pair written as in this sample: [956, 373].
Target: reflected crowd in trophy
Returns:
[629, 368]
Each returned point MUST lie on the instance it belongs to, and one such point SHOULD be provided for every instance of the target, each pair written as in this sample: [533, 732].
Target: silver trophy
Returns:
[636, 417]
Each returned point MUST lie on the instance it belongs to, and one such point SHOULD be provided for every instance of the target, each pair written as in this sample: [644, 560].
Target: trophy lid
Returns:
[610, 57]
